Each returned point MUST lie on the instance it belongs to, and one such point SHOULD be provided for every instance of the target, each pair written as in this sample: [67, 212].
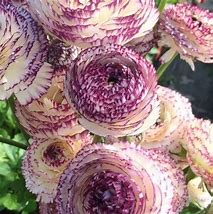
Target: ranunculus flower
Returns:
[50, 116]
[187, 29]
[198, 142]
[175, 112]
[121, 178]
[44, 162]
[91, 23]
[198, 193]
[114, 91]
[24, 46]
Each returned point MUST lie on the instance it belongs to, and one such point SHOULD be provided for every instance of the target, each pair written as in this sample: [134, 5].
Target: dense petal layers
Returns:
[91, 23]
[23, 49]
[113, 178]
[188, 30]
[45, 160]
[199, 145]
[51, 115]
[175, 112]
[114, 91]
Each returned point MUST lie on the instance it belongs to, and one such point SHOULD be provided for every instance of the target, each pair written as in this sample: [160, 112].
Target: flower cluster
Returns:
[86, 95]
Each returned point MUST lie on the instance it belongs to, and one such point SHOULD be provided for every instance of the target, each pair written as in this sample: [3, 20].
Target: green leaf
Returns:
[10, 202]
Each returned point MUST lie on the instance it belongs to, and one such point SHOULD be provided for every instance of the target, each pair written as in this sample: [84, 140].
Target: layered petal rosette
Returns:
[44, 162]
[50, 116]
[198, 142]
[114, 91]
[175, 112]
[23, 49]
[188, 30]
[121, 178]
[90, 23]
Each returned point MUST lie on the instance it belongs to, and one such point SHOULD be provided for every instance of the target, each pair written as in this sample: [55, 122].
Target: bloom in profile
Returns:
[114, 91]
[50, 116]
[23, 49]
[44, 162]
[91, 23]
[198, 141]
[114, 179]
[187, 29]
[175, 112]
[198, 193]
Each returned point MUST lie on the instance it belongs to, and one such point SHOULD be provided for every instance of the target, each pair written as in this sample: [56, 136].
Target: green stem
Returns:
[13, 143]
[161, 5]
[164, 66]
[12, 106]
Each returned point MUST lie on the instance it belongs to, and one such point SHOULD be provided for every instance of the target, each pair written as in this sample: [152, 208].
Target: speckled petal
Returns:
[198, 141]
[23, 49]
[175, 112]
[50, 116]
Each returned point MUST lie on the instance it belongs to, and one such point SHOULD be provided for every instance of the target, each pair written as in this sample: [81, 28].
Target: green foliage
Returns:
[13, 193]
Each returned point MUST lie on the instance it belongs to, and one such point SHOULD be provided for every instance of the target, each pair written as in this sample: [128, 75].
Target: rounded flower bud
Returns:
[91, 23]
[23, 51]
[187, 29]
[50, 116]
[44, 162]
[198, 142]
[175, 111]
[198, 193]
[114, 179]
[114, 91]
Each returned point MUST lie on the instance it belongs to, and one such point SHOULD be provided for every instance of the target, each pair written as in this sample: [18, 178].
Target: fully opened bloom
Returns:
[23, 49]
[90, 23]
[51, 115]
[175, 112]
[44, 162]
[114, 91]
[188, 30]
[121, 178]
[198, 142]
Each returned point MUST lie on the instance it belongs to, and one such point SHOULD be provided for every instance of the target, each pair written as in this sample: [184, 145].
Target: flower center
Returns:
[54, 155]
[115, 71]
[109, 192]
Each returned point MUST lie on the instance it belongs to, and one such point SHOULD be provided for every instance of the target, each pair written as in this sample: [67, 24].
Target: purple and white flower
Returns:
[113, 89]
[121, 178]
[93, 23]
[23, 49]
